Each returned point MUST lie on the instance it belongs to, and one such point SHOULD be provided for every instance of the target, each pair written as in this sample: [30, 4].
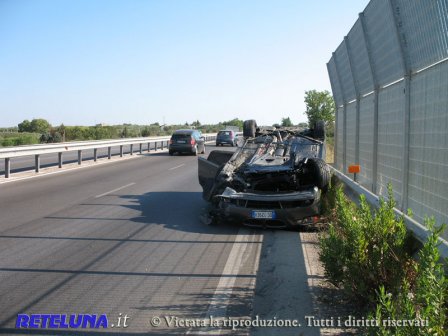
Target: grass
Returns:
[330, 153]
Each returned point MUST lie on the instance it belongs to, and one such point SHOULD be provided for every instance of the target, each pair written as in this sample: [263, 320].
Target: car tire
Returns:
[319, 130]
[249, 128]
[321, 173]
[171, 152]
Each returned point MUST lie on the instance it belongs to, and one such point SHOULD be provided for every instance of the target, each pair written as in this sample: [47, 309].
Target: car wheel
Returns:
[249, 128]
[319, 130]
[171, 152]
[321, 173]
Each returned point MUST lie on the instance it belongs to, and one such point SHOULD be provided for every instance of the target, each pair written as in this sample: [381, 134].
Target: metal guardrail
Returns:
[419, 231]
[79, 146]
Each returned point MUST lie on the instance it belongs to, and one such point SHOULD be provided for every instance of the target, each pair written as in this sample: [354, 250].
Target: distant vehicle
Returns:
[226, 137]
[274, 179]
[187, 141]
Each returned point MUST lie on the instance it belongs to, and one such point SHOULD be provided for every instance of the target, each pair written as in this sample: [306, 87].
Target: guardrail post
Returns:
[109, 152]
[161, 145]
[121, 150]
[149, 144]
[132, 149]
[155, 146]
[95, 154]
[140, 148]
[79, 157]
[7, 167]
[60, 159]
[36, 163]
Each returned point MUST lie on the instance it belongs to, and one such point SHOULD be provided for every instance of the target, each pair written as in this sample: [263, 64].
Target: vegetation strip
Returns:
[368, 254]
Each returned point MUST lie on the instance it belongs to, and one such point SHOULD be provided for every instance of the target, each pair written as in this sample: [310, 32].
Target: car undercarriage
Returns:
[275, 178]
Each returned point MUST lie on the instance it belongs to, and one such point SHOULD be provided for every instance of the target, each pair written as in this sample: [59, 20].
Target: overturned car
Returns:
[275, 178]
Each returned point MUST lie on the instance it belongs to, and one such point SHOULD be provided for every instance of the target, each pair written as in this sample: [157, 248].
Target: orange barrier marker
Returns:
[354, 169]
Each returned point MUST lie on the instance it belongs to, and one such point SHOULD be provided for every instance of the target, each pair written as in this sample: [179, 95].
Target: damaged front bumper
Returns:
[279, 210]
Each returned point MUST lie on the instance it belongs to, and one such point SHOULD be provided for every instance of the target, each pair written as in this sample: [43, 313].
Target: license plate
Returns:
[181, 141]
[263, 214]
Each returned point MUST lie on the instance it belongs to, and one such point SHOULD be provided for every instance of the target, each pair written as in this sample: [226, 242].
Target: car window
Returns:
[181, 136]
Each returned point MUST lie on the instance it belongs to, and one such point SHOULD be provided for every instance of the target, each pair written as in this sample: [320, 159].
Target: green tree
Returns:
[319, 106]
[234, 122]
[40, 126]
[25, 126]
[286, 122]
[125, 133]
[61, 131]
[196, 123]
[146, 131]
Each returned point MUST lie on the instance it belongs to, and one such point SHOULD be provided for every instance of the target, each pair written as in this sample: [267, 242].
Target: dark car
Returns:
[187, 141]
[226, 137]
[275, 179]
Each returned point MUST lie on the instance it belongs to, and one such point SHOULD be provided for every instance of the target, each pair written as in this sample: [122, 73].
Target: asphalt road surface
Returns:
[125, 239]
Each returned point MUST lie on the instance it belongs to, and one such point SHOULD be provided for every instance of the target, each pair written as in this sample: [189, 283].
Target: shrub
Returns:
[422, 299]
[17, 139]
[365, 253]
[364, 248]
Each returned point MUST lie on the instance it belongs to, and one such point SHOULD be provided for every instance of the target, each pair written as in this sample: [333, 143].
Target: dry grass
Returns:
[330, 153]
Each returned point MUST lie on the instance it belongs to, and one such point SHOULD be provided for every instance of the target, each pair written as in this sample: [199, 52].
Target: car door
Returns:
[209, 168]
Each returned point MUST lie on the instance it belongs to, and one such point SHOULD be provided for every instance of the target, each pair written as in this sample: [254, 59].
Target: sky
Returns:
[84, 62]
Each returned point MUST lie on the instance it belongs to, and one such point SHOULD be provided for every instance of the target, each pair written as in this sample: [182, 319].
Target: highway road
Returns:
[125, 239]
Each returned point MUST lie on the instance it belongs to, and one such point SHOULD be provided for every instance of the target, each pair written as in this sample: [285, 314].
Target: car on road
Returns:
[226, 137]
[274, 179]
[187, 141]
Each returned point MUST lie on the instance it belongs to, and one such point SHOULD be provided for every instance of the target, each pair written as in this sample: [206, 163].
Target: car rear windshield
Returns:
[226, 133]
[178, 136]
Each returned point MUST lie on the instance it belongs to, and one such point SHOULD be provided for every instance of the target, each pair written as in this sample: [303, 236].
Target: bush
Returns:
[422, 299]
[18, 139]
[364, 249]
[365, 253]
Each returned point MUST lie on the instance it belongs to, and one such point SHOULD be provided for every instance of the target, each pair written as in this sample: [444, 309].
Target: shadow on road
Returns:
[176, 211]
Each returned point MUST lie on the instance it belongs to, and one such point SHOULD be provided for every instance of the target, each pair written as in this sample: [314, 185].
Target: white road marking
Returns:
[183, 164]
[241, 250]
[112, 191]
